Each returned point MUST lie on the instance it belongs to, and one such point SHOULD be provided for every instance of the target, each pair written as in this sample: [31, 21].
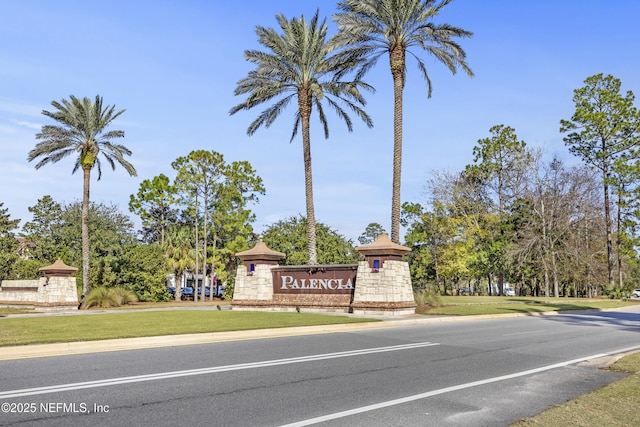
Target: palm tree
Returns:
[82, 132]
[372, 28]
[300, 64]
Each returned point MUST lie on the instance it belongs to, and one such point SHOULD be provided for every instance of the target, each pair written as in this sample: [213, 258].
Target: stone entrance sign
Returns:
[56, 290]
[324, 280]
[380, 284]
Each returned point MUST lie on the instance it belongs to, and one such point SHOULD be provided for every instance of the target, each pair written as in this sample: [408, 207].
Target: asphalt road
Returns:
[465, 373]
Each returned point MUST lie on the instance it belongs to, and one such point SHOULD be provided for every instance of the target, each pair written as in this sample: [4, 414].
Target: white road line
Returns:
[211, 370]
[407, 399]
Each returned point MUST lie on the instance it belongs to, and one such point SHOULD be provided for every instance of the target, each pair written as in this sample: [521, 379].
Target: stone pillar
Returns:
[59, 289]
[254, 281]
[383, 280]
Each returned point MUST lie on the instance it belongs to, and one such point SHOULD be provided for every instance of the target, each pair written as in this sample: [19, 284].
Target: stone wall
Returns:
[262, 289]
[255, 289]
[379, 285]
[50, 292]
[385, 291]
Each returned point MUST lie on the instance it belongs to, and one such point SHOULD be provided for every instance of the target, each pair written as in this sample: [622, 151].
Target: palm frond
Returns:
[323, 118]
[298, 58]
[370, 28]
[296, 126]
[82, 124]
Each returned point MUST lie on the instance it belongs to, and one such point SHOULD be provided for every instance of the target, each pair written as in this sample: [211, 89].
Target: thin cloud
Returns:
[19, 108]
[27, 124]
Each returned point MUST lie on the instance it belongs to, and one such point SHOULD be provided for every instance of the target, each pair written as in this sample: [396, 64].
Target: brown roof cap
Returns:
[58, 267]
[260, 251]
[383, 246]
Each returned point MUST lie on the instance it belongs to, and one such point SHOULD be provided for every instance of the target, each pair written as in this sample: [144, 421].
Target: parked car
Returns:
[217, 292]
[187, 292]
[635, 293]
[509, 291]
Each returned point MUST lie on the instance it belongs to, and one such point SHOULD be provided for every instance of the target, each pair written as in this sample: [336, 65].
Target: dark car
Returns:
[217, 291]
[186, 293]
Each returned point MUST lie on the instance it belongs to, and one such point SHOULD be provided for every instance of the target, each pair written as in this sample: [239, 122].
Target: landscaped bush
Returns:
[427, 298]
[104, 297]
[228, 292]
[614, 292]
[126, 296]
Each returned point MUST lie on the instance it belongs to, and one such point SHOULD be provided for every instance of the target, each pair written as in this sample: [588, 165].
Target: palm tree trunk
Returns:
[86, 171]
[397, 61]
[304, 103]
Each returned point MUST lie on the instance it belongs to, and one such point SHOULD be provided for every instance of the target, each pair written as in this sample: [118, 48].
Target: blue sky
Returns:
[173, 65]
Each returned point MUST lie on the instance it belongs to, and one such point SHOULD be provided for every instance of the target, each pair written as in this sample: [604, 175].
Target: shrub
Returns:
[125, 296]
[427, 298]
[614, 292]
[228, 292]
[104, 297]
[101, 296]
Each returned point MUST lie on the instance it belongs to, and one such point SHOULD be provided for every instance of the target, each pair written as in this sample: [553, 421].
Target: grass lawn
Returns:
[122, 324]
[4, 311]
[469, 305]
[167, 318]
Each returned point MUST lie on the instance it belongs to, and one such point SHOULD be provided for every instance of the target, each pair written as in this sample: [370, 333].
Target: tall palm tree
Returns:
[300, 63]
[373, 28]
[82, 132]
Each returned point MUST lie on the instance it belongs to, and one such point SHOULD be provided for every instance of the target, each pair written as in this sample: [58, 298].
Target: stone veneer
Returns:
[253, 287]
[256, 287]
[56, 290]
[387, 291]
[382, 284]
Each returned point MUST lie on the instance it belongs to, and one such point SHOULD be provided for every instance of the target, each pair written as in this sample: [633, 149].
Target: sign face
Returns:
[296, 280]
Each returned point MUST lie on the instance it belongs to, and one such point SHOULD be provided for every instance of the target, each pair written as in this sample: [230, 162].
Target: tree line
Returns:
[140, 260]
[548, 228]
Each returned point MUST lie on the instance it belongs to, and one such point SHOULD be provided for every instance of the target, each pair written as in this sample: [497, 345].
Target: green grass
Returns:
[470, 306]
[120, 324]
[5, 311]
[613, 405]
